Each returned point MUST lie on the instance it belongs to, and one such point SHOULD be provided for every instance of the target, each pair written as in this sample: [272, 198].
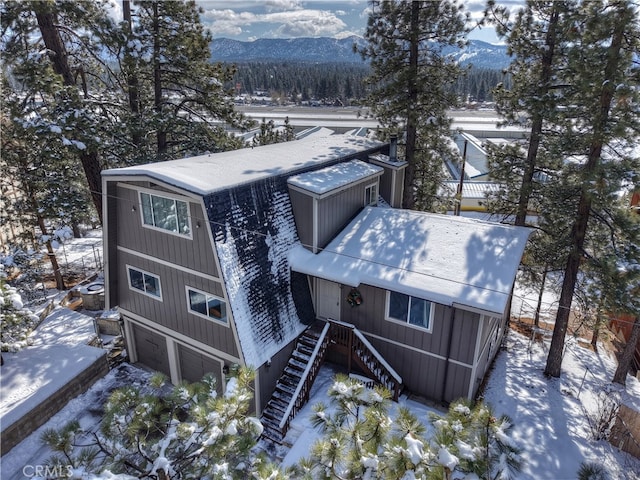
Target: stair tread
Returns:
[294, 372]
[287, 388]
[305, 350]
[308, 342]
[301, 357]
[269, 420]
[282, 395]
[294, 362]
[278, 405]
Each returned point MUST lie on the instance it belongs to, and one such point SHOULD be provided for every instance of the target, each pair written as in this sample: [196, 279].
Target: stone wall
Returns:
[625, 434]
[35, 418]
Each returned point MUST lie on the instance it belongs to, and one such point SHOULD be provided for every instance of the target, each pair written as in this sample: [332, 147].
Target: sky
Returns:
[250, 20]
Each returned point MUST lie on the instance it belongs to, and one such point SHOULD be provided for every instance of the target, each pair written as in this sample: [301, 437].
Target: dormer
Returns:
[324, 201]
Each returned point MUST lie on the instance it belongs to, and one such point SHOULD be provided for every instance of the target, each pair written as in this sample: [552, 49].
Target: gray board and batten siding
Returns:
[392, 180]
[270, 372]
[436, 364]
[161, 337]
[333, 212]
[178, 261]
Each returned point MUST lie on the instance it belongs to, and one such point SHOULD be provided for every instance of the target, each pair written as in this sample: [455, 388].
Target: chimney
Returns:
[393, 148]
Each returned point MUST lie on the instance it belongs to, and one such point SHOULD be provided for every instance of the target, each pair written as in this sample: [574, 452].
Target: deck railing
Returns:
[303, 389]
[351, 342]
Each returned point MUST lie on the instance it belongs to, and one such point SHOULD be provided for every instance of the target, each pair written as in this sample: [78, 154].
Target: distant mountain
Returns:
[481, 55]
[331, 50]
[294, 49]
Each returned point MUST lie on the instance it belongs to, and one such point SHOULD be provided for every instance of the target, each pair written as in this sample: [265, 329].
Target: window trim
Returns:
[207, 295]
[406, 323]
[167, 196]
[144, 292]
[375, 198]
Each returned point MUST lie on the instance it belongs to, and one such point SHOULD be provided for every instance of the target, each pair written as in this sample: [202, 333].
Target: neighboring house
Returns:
[283, 255]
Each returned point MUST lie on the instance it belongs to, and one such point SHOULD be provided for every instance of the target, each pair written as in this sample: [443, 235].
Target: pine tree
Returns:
[598, 129]
[536, 42]
[361, 440]
[16, 321]
[135, 92]
[49, 191]
[188, 432]
[411, 84]
[181, 94]
[50, 52]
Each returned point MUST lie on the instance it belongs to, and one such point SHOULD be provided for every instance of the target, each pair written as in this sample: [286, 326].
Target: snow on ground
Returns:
[58, 354]
[549, 415]
[86, 409]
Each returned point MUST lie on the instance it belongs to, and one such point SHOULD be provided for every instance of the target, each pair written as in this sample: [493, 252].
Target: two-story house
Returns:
[284, 255]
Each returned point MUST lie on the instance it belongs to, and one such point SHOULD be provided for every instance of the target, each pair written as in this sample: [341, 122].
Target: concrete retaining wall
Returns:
[35, 418]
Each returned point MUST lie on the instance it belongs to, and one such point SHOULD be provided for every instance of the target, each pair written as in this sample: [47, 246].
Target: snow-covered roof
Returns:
[206, 174]
[444, 259]
[336, 176]
[254, 230]
[470, 189]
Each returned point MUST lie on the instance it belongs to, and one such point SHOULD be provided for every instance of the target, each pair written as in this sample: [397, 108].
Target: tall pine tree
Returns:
[537, 41]
[411, 84]
[181, 97]
[51, 51]
[596, 135]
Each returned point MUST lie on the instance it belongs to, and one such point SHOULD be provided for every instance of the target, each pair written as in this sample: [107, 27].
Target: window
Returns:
[165, 213]
[407, 309]
[145, 282]
[371, 195]
[206, 305]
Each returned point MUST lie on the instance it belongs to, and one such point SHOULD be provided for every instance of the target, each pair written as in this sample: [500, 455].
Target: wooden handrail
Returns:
[301, 395]
[348, 336]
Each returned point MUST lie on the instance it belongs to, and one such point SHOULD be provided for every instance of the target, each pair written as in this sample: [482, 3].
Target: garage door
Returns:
[194, 365]
[151, 348]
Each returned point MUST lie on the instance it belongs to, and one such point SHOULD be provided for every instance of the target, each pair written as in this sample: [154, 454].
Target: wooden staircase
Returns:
[293, 387]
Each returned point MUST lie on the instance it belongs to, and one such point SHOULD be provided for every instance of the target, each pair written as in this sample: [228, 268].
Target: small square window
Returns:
[165, 213]
[371, 195]
[407, 309]
[207, 305]
[144, 282]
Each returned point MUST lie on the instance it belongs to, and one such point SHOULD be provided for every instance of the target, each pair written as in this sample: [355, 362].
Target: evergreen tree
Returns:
[270, 134]
[16, 321]
[38, 162]
[136, 92]
[180, 95]
[361, 440]
[596, 135]
[189, 432]
[50, 49]
[411, 84]
[535, 40]
[573, 77]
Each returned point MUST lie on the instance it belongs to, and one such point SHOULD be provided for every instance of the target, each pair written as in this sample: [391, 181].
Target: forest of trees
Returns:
[81, 93]
[345, 82]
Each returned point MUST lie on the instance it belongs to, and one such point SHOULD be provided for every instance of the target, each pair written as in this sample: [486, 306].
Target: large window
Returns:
[371, 195]
[144, 282]
[165, 213]
[207, 305]
[407, 309]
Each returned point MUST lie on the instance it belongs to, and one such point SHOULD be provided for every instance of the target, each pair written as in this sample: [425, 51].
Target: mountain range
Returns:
[331, 50]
